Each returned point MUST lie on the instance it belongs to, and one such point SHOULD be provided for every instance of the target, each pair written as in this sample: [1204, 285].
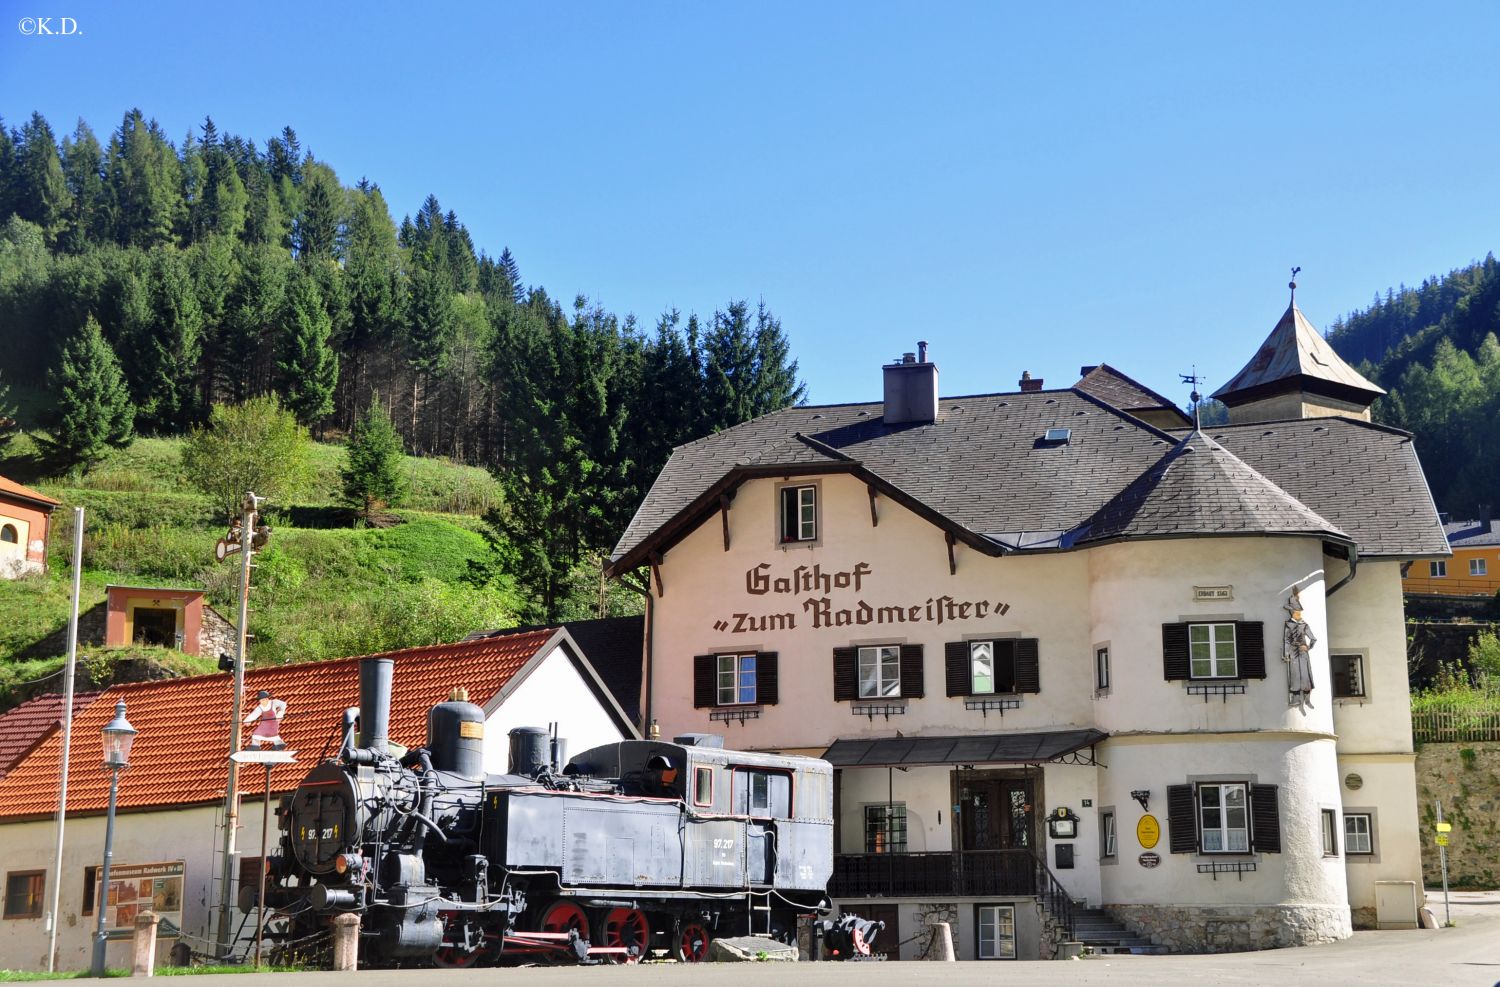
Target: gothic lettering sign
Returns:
[1149, 859]
[819, 598]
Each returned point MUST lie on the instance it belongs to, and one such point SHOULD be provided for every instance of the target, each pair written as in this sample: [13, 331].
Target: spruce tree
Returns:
[308, 365]
[91, 409]
[8, 425]
[42, 192]
[512, 272]
[373, 475]
[167, 346]
[83, 166]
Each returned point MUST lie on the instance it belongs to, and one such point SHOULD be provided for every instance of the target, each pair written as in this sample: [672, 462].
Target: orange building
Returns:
[1474, 569]
[171, 618]
[25, 523]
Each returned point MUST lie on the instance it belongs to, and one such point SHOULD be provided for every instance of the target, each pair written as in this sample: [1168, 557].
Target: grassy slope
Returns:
[324, 588]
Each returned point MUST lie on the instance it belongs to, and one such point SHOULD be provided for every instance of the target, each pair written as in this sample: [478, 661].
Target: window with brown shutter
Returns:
[911, 672]
[705, 681]
[1028, 665]
[1174, 652]
[1265, 819]
[845, 674]
[1250, 640]
[1182, 821]
[767, 687]
[956, 668]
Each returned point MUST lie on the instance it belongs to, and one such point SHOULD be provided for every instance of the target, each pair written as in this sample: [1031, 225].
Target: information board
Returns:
[135, 888]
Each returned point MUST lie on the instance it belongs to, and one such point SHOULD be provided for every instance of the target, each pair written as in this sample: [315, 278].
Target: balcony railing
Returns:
[962, 872]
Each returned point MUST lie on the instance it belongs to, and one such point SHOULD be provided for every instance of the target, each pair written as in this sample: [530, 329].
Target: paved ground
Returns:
[1465, 956]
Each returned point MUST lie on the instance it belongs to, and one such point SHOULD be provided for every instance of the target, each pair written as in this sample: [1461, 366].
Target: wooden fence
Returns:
[1437, 726]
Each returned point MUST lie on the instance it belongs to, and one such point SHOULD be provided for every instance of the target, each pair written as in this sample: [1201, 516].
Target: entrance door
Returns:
[888, 940]
[997, 814]
[157, 627]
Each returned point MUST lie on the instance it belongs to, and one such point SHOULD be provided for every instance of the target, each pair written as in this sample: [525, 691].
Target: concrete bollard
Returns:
[346, 941]
[143, 955]
[944, 933]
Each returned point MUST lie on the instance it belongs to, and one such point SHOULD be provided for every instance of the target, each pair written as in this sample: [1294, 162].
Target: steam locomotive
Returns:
[622, 851]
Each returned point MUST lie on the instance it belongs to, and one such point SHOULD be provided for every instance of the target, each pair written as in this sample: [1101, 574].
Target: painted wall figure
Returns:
[266, 716]
[1298, 640]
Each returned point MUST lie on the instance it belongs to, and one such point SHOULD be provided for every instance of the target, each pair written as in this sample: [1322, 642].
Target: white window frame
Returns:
[981, 653]
[1101, 670]
[1478, 567]
[1000, 922]
[1359, 674]
[1359, 844]
[733, 666]
[1437, 569]
[879, 658]
[884, 823]
[1107, 838]
[1216, 663]
[1330, 823]
[1230, 838]
[806, 504]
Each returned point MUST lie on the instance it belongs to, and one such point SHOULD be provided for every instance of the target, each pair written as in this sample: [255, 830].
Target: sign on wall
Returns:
[1210, 593]
[1148, 831]
[135, 888]
[820, 598]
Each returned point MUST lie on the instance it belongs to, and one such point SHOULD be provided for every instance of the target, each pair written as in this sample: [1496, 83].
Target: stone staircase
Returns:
[1103, 936]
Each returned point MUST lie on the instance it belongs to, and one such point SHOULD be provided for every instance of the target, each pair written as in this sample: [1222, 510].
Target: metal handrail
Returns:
[1054, 897]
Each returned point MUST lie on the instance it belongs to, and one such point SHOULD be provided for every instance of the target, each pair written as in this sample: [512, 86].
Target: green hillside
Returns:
[327, 586]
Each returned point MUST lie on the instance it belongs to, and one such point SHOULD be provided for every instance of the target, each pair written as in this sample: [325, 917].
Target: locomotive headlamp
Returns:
[346, 862]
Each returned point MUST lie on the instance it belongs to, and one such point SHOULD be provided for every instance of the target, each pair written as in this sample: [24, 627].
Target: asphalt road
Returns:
[1465, 956]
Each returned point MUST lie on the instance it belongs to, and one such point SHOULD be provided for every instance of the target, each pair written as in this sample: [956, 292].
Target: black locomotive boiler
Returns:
[622, 851]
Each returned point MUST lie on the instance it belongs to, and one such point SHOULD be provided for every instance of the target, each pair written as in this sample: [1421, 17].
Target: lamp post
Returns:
[118, 736]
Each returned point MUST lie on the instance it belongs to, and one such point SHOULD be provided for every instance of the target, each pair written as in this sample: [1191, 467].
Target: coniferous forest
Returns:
[220, 268]
[1434, 349]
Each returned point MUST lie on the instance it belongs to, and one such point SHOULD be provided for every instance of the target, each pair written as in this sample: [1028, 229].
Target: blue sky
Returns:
[1026, 186]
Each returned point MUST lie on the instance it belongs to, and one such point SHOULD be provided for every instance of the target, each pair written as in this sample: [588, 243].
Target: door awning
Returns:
[1038, 747]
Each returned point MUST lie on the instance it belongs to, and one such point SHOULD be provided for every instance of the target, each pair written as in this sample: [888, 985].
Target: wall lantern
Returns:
[1143, 796]
[1062, 823]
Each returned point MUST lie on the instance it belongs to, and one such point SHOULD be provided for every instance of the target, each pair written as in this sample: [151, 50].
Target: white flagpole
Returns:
[62, 797]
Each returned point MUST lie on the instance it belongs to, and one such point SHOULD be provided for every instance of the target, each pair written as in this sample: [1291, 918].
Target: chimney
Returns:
[1485, 523]
[911, 389]
[1027, 384]
[375, 702]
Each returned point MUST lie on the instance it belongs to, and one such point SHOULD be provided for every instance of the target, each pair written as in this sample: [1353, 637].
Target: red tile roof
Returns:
[182, 744]
[17, 490]
[22, 728]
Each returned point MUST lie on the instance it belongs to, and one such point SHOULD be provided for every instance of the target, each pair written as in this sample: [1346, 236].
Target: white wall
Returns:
[554, 691]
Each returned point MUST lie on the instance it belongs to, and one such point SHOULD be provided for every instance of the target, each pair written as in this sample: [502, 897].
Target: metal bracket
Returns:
[998, 705]
[1239, 867]
[737, 715]
[1221, 689]
[873, 710]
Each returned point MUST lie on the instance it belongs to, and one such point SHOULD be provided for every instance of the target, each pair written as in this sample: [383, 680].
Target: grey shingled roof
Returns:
[1363, 477]
[982, 465]
[1295, 351]
[983, 468]
[1201, 488]
[1120, 390]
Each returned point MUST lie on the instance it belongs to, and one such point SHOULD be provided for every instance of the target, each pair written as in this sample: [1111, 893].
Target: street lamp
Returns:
[118, 736]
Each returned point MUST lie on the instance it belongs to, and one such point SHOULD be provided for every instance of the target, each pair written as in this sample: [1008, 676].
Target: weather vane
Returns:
[1292, 284]
[1193, 395]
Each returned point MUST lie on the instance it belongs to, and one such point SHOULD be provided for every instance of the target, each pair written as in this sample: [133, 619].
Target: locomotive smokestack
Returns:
[375, 702]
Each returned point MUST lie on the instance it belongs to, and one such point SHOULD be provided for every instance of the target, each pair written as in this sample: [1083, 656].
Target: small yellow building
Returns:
[1474, 569]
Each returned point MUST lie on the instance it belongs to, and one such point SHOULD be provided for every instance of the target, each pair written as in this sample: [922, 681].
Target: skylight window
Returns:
[1059, 436]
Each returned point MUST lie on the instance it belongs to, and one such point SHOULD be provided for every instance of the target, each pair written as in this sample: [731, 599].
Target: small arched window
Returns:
[8, 534]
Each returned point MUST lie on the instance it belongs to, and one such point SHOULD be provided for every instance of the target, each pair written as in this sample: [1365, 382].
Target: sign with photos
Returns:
[135, 888]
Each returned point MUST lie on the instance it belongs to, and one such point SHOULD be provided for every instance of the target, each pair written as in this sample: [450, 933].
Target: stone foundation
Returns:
[1233, 928]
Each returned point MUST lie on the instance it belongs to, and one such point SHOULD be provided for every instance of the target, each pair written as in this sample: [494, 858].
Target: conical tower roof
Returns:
[1200, 488]
[1296, 356]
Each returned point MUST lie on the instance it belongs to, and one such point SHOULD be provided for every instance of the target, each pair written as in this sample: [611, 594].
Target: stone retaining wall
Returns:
[1232, 928]
[1466, 777]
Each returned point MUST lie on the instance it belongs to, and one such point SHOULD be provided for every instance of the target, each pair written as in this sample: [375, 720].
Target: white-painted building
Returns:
[169, 828]
[1049, 648]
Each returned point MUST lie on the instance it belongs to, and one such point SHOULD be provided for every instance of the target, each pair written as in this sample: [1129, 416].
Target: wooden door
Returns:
[888, 939]
[997, 814]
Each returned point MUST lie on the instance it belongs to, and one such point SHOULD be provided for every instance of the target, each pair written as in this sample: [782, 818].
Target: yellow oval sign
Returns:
[1148, 831]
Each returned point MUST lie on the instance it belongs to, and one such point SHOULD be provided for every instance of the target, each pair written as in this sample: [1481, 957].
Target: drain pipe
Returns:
[1353, 568]
[646, 663]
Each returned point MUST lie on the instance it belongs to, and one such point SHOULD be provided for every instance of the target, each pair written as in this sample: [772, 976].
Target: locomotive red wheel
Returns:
[692, 943]
[454, 957]
[563, 916]
[627, 927]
